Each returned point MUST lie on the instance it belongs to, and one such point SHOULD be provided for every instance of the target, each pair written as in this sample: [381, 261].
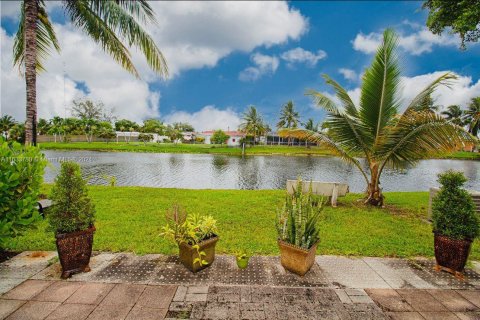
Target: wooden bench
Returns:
[44, 204]
[433, 192]
[333, 190]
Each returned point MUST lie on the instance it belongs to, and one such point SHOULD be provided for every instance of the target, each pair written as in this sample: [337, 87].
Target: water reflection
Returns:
[199, 171]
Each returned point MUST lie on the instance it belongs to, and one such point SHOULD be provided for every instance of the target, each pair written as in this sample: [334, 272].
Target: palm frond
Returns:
[418, 135]
[326, 141]
[128, 28]
[343, 96]
[86, 19]
[46, 38]
[139, 9]
[417, 102]
[378, 99]
[344, 129]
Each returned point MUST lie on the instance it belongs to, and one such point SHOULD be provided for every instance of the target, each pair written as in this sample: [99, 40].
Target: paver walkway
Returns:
[126, 286]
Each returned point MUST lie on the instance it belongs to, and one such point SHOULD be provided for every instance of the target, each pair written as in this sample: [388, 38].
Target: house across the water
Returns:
[234, 139]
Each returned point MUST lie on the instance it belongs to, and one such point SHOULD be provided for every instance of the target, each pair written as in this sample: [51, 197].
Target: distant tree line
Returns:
[92, 119]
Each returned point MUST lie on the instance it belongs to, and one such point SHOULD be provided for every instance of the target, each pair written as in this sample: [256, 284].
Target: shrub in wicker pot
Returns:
[298, 230]
[455, 223]
[71, 218]
[195, 235]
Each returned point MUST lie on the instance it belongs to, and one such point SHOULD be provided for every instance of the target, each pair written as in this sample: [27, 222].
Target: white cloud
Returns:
[348, 74]
[208, 118]
[10, 9]
[460, 92]
[264, 64]
[190, 34]
[84, 62]
[198, 34]
[300, 55]
[417, 43]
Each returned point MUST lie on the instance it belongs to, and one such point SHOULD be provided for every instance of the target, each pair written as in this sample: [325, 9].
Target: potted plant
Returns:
[71, 219]
[298, 230]
[455, 223]
[195, 236]
[242, 259]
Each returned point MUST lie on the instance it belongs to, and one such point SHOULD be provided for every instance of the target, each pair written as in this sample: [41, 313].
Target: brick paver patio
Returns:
[125, 286]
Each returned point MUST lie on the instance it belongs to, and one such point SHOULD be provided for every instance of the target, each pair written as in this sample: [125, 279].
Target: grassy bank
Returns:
[130, 219]
[212, 149]
[184, 148]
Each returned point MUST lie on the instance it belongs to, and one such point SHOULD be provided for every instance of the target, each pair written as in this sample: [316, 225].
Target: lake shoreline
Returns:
[272, 150]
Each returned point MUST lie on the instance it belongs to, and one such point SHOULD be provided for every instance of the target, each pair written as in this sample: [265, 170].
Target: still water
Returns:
[203, 171]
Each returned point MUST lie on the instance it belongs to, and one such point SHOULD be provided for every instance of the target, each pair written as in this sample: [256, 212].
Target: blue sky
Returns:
[213, 90]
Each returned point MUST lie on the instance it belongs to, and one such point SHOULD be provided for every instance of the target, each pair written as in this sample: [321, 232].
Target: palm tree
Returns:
[454, 114]
[310, 125]
[6, 123]
[112, 24]
[252, 123]
[376, 129]
[289, 118]
[472, 116]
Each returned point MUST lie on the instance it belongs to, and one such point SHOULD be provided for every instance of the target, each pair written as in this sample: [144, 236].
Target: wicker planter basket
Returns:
[74, 251]
[188, 254]
[451, 254]
[296, 259]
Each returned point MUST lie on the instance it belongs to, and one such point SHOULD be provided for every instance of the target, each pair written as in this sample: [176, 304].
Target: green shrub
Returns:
[184, 228]
[21, 175]
[453, 210]
[72, 210]
[297, 221]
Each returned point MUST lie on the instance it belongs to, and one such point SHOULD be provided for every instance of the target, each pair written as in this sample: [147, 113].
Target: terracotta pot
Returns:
[451, 254]
[74, 251]
[296, 259]
[188, 254]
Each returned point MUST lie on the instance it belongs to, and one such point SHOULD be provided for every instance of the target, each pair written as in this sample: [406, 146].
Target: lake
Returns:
[205, 171]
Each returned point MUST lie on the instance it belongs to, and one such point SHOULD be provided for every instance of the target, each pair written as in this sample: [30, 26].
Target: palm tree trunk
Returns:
[374, 193]
[31, 13]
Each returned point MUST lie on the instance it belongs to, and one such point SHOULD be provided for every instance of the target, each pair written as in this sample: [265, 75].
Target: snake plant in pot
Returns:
[298, 230]
[455, 223]
[195, 235]
[71, 218]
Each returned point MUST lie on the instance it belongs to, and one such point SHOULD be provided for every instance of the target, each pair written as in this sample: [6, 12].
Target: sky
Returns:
[225, 56]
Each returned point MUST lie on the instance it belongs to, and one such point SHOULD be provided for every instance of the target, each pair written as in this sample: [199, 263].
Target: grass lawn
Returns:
[213, 149]
[184, 148]
[130, 219]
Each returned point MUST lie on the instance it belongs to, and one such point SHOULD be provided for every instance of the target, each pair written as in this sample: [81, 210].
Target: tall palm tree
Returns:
[472, 116]
[289, 118]
[454, 114]
[376, 129]
[6, 123]
[252, 124]
[112, 24]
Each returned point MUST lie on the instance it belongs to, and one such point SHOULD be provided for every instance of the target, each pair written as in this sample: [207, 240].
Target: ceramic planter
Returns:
[74, 251]
[296, 259]
[451, 254]
[188, 254]
[242, 262]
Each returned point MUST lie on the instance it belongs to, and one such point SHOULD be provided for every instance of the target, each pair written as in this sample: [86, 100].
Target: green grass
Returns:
[130, 219]
[184, 148]
[213, 149]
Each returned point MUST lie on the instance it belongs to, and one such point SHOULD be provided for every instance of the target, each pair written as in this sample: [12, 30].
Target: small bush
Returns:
[184, 228]
[453, 210]
[73, 209]
[21, 175]
[297, 221]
